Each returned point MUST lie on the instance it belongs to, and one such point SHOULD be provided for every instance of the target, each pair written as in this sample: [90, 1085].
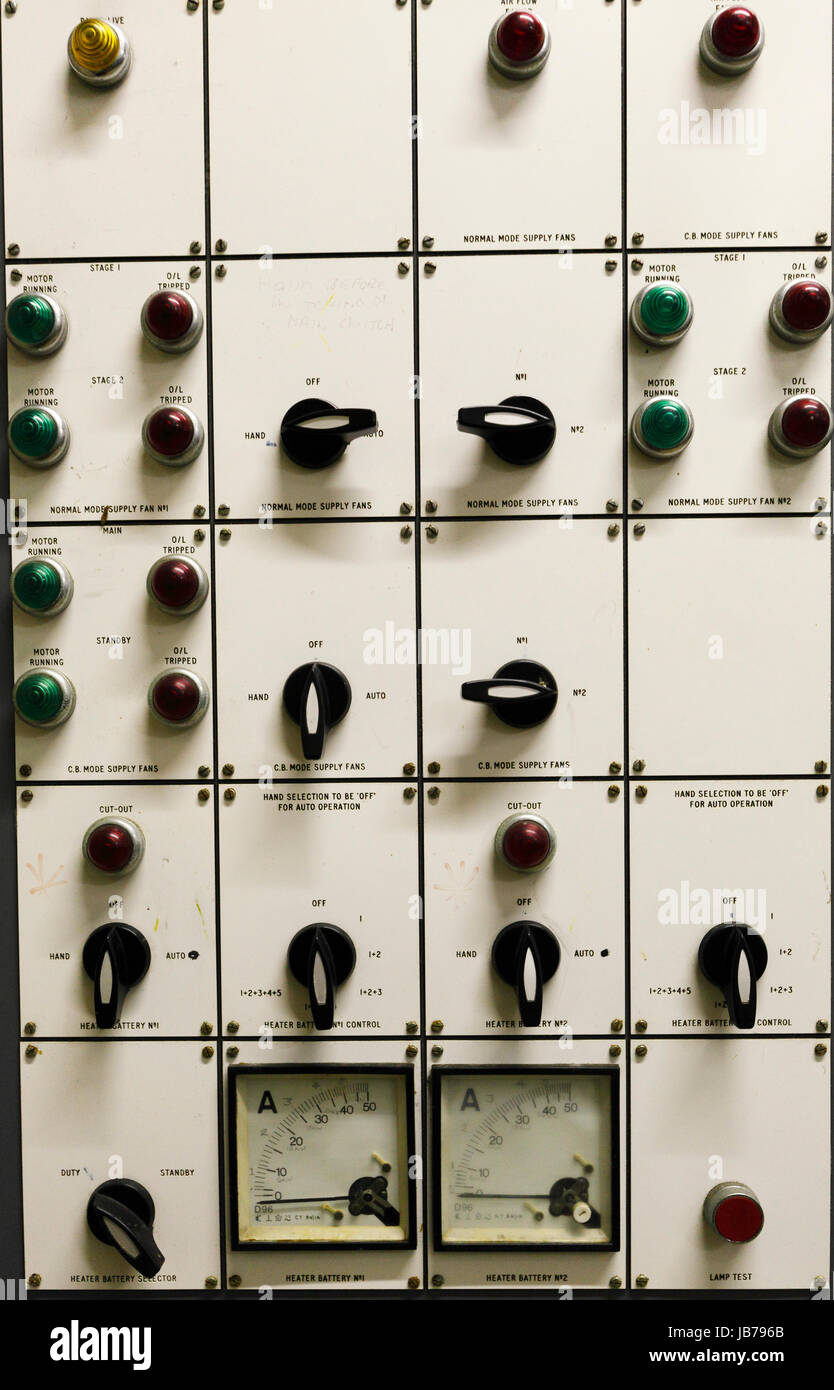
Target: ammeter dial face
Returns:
[526, 1157]
[320, 1156]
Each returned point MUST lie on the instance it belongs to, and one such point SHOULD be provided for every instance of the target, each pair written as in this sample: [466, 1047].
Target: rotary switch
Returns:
[526, 955]
[315, 433]
[171, 320]
[800, 426]
[177, 585]
[662, 427]
[734, 1212]
[733, 957]
[44, 698]
[36, 324]
[178, 697]
[113, 845]
[172, 435]
[41, 587]
[321, 957]
[521, 693]
[519, 429]
[732, 40]
[525, 842]
[661, 313]
[316, 696]
[116, 957]
[38, 436]
[121, 1213]
[99, 53]
[801, 311]
[519, 44]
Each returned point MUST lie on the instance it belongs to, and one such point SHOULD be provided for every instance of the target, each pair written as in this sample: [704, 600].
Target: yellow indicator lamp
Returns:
[99, 53]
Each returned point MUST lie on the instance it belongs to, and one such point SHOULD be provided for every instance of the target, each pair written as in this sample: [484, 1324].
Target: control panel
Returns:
[418, 641]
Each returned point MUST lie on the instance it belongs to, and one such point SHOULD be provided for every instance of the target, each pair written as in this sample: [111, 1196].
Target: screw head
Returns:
[31, 1050]
[615, 769]
[413, 1282]
[636, 264]
[195, 271]
[13, 248]
[637, 238]
[819, 1051]
[34, 1281]
[428, 242]
[199, 534]
[638, 765]
[409, 769]
[611, 239]
[642, 1280]
[615, 1282]
[403, 267]
[821, 238]
[412, 1026]
[27, 795]
[641, 1050]
[26, 769]
[229, 794]
[223, 509]
[639, 528]
[642, 792]
[433, 793]
[405, 509]
[207, 1053]
[233, 1026]
[210, 1280]
[235, 1281]
[203, 794]
[616, 1025]
[16, 276]
[205, 1029]
[641, 1025]
[406, 533]
[611, 505]
[431, 506]
[221, 245]
[820, 766]
[220, 272]
[412, 1050]
[432, 533]
[822, 790]
[822, 1025]
[225, 533]
[228, 769]
[613, 791]
[437, 1280]
[195, 248]
[233, 1051]
[30, 1028]
[437, 1050]
[437, 1025]
[409, 793]
[199, 510]
[433, 769]
[403, 243]
[614, 1050]
[821, 262]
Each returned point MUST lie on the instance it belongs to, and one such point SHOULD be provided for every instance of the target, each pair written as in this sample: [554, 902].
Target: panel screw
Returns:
[225, 534]
[819, 1051]
[610, 265]
[235, 1280]
[203, 794]
[411, 1026]
[613, 791]
[233, 1051]
[428, 242]
[229, 794]
[822, 790]
[403, 243]
[433, 769]
[26, 769]
[30, 1028]
[637, 504]
[641, 1025]
[819, 504]
[642, 792]
[221, 245]
[432, 533]
[199, 534]
[821, 238]
[615, 1282]
[195, 271]
[822, 1025]
[14, 249]
[220, 272]
[27, 795]
[431, 506]
[16, 275]
[31, 1051]
[821, 529]
[437, 1025]
[34, 1280]
[637, 238]
[611, 239]
[403, 267]
[437, 1050]
[207, 1053]
[641, 1050]
[821, 262]
[430, 267]
[437, 1280]
[406, 533]
[639, 528]
[409, 793]
[196, 246]
[636, 264]
[228, 769]
[611, 505]
[413, 1282]
[412, 1050]
[642, 1280]
[613, 529]
[821, 766]
[614, 1050]
[405, 508]
[203, 770]
[233, 1026]
[205, 1029]
[434, 793]
[616, 1025]
[409, 769]
[210, 1280]
[615, 769]
[223, 509]
[638, 765]
[199, 510]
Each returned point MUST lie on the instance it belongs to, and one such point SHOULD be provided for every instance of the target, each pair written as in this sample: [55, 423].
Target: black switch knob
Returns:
[521, 693]
[321, 957]
[733, 957]
[116, 957]
[526, 955]
[316, 696]
[121, 1213]
[315, 433]
[519, 429]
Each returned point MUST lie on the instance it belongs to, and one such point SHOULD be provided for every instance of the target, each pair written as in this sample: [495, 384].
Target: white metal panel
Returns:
[754, 1111]
[335, 330]
[112, 641]
[496, 352]
[514, 165]
[310, 126]
[471, 895]
[104, 172]
[344, 854]
[98, 1110]
[561, 607]
[168, 897]
[104, 381]
[732, 371]
[725, 160]
[728, 657]
[339, 594]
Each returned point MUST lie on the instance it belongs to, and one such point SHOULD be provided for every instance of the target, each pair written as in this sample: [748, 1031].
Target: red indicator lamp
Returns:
[113, 845]
[733, 1211]
[171, 320]
[800, 426]
[525, 842]
[177, 584]
[519, 44]
[178, 697]
[732, 40]
[172, 435]
[801, 311]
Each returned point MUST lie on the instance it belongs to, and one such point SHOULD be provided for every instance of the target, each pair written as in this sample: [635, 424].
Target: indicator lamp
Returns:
[178, 697]
[662, 427]
[733, 1211]
[526, 842]
[99, 53]
[519, 44]
[171, 320]
[172, 435]
[732, 40]
[38, 436]
[800, 426]
[177, 584]
[801, 311]
[113, 844]
[41, 586]
[44, 698]
[661, 313]
[35, 324]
